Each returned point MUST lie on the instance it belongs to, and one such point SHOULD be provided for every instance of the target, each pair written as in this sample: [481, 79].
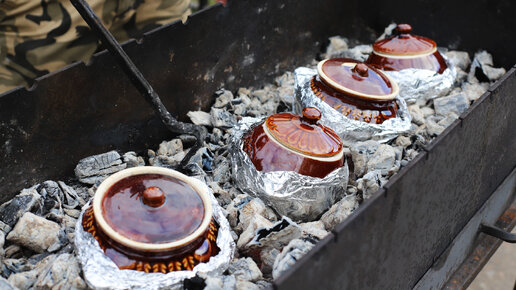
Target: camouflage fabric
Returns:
[40, 36]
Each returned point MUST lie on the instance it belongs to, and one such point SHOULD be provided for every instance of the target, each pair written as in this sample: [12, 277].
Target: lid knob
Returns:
[361, 69]
[403, 28]
[153, 196]
[311, 115]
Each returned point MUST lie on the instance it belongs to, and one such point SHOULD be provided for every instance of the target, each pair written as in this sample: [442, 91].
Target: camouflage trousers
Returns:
[40, 36]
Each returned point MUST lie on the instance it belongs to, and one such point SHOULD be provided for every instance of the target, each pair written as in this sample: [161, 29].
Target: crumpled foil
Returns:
[349, 131]
[422, 84]
[102, 273]
[299, 197]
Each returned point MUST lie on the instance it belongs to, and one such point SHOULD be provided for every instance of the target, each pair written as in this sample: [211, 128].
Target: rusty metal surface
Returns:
[480, 255]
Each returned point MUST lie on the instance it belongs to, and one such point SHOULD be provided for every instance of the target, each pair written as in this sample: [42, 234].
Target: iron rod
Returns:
[139, 81]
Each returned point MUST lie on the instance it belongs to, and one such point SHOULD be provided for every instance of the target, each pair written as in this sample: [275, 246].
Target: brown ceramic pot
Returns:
[358, 91]
[404, 50]
[153, 219]
[288, 142]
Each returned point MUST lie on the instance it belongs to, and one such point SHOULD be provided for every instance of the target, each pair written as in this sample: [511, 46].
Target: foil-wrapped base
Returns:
[299, 197]
[102, 273]
[423, 85]
[349, 131]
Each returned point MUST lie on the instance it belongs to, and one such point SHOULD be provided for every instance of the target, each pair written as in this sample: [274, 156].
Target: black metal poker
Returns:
[139, 80]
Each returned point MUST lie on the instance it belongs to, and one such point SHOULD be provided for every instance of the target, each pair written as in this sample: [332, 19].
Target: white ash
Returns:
[268, 244]
[36, 233]
[200, 118]
[314, 229]
[96, 168]
[339, 211]
[290, 254]
[245, 269]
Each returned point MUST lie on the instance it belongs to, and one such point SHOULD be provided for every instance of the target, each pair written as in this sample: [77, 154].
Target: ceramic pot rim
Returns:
[404, 56]
[343, 89]
[197, 185]
[333, 158]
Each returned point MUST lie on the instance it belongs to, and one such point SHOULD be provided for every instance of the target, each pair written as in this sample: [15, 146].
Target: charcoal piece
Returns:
[339, 211]
[245, 269]
[221, 118]
[246, 285]
[200, 118]
[96, 168]
[337, 45]
[455, 103]
[383, 159]
[17, 265]
[23, 280]
[220, 282]
[36, 233]
[132, 160]
[417, 115]
[291, 254]
[27, 200]
[474, 91]
[460, 59]
[5, 285]
[224, 98]
[314, 229]
[482, 68]
[63, 272]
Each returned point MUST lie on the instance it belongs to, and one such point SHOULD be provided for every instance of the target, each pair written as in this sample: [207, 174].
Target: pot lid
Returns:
[152, 208]
[358, 79]
[303, 134]
[404, 44]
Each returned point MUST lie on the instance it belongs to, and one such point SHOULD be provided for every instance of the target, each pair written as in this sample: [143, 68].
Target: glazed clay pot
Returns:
[404, 50]
[357, 90]
[153, 219]
[288, 142]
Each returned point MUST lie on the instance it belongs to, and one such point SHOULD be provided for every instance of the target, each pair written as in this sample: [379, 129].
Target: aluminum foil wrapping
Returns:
[349, 131]
[299, 197]
[102, 273]
[422, 84]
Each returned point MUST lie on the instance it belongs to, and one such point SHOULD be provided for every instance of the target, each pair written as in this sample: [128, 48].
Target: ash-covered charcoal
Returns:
[382, 160]
[291, 254]
[370, 183]
[37, 233]
[28, 200]
[338, 47]
[245, 269]
[361, 152]
[132, 159]
[169, 154]
[221, 118]
[482, 68]
[460, 59]
[96, 168]
[456, 104]
[63, 272]
[339, 211]
[314, 229]
[200, 118]
[268, 243]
